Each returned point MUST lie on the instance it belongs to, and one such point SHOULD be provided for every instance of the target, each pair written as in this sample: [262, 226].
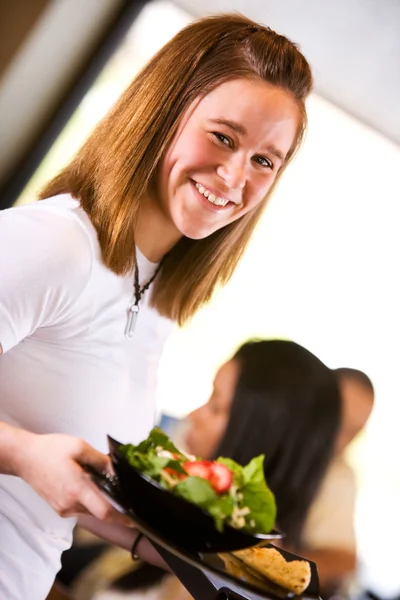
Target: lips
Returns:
[212, 196]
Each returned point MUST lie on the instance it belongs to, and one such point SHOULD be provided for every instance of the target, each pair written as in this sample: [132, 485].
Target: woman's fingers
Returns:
[96, 504]
[87, 455]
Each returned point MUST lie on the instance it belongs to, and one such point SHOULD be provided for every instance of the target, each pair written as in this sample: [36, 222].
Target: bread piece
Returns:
[238, 569]
[294, 575]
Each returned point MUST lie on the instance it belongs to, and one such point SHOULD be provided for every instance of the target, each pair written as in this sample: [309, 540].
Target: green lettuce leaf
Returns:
[157, 438]
[199, 491]
[258, 497]
[149, 464]
[221, 510]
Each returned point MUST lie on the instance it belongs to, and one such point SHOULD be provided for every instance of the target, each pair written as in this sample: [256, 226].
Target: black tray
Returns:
[214, 576]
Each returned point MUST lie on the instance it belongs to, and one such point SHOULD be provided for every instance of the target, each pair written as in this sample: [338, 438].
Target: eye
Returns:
[223, 139]
[263, 161]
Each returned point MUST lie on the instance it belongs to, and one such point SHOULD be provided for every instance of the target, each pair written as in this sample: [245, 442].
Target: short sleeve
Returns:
[45, 264]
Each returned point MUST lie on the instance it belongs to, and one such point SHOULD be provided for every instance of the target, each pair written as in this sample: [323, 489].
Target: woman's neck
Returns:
[155, 234]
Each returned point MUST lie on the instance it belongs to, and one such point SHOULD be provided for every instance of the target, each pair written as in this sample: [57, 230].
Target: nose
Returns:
[233, 172]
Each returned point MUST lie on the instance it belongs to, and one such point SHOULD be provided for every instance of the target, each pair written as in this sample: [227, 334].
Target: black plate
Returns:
[212, 565]
[178, 521]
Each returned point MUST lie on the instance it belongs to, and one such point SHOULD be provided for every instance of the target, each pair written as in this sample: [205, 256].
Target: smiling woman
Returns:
[130, 158]
[167, 189]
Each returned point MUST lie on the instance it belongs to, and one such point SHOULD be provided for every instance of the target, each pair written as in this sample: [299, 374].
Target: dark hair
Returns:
[287, 406]
[117, 165]
[356, 375]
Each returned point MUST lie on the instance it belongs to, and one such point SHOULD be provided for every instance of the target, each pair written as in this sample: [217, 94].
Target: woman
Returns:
[274, 398]
[166, 191]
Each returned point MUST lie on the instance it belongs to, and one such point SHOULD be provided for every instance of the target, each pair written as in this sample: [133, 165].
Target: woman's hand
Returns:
[52, 465]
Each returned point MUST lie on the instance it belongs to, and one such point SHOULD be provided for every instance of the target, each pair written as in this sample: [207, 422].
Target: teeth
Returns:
[216, 200]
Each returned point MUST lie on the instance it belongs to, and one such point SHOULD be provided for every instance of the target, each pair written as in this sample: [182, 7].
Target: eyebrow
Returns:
[241, 130]
[237, 127]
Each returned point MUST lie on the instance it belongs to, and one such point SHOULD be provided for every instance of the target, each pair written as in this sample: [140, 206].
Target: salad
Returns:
[233, 495]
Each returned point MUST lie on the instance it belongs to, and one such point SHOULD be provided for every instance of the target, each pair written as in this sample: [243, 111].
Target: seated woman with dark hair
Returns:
[275, 398]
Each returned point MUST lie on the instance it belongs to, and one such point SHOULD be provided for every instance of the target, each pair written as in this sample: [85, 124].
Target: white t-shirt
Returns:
[66, 366]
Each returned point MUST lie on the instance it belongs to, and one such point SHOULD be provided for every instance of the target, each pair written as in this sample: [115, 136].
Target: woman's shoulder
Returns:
[58, 223]
[53, 238]
[62, 212]
[47, 248]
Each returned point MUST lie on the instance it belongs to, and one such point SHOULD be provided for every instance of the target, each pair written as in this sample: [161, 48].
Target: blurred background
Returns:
[322, 266]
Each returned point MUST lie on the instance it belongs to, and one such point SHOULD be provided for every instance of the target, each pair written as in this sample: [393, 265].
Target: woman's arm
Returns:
[123, 537]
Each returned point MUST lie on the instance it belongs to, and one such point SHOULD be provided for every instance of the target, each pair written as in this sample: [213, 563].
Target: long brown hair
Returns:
[117, 164]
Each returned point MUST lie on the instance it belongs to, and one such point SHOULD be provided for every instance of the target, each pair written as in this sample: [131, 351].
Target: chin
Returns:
[196, 232]
[196, 236]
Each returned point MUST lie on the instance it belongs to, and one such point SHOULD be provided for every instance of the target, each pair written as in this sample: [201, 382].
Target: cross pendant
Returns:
[131, 323]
